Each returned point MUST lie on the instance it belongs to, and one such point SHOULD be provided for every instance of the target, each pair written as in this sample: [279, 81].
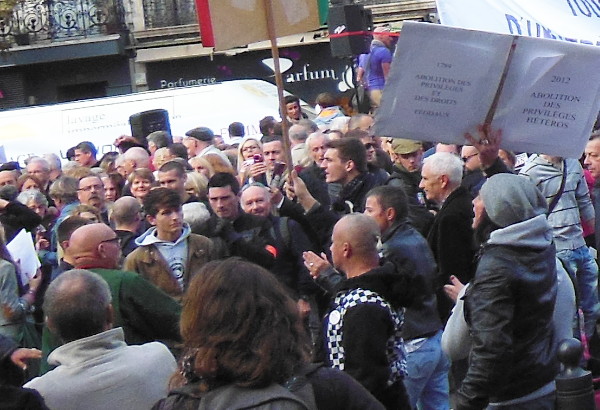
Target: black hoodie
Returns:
[366, 330]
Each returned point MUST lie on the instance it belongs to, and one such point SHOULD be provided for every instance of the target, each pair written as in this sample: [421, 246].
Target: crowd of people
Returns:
[193, 272]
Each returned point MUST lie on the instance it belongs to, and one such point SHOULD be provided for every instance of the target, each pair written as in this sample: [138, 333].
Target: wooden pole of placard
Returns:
[492, 111]
[278, 82]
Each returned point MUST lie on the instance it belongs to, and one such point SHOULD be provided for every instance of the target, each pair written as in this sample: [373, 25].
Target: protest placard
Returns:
[225, 24]
[445, 81]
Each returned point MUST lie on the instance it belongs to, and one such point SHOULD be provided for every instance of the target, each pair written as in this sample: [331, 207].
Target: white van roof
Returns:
[26, 132]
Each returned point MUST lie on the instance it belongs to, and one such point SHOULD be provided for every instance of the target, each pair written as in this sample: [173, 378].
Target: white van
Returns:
[25, 132]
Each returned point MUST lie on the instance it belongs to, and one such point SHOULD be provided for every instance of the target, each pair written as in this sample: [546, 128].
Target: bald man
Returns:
[363, 328]
[126, 215]
[133, 158]
[291, 241]
[143, 311]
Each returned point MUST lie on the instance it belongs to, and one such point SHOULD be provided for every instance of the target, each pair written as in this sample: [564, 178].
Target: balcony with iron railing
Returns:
[170, 13]
[174, 22]
[50, 21]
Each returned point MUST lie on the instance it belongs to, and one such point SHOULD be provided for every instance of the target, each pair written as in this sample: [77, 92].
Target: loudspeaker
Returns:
[349, 19]
[146, 122]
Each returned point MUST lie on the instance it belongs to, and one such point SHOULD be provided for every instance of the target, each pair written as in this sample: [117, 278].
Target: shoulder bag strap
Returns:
[556, 198]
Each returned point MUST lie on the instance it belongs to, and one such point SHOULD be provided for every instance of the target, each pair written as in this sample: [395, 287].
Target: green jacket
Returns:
[144, 312]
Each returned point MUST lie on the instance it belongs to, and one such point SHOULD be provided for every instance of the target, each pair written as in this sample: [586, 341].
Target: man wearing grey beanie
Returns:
[509, 303]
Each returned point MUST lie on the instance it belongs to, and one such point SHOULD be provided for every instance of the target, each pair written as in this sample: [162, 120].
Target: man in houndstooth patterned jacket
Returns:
[363, 327]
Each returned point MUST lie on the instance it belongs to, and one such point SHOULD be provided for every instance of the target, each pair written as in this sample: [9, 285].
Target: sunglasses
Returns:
[468, 157]
[115, 239]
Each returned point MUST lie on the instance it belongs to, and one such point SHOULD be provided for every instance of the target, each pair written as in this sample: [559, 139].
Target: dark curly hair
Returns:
[159, 198]
[239, 326]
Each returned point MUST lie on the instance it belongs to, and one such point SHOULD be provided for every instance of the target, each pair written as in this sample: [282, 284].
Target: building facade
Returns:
[63, 50]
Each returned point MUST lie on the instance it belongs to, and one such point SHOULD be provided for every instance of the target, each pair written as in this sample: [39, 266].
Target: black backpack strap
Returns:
[561, 189]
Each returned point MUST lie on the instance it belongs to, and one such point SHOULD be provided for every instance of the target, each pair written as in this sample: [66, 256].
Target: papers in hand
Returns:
[22, 250]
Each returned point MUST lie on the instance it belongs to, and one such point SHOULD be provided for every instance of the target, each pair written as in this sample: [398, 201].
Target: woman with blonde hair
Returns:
[219, 165]
[196, 184]
[246, 152]
[202, 166]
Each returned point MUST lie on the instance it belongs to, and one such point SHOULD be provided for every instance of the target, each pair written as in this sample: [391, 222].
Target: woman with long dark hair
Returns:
[243, 336]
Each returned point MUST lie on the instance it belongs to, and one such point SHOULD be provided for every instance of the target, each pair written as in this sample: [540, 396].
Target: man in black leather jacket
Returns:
[426, 365]
[510, 301]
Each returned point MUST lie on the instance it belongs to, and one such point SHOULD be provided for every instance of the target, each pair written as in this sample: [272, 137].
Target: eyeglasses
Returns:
[468, 157]
[116, 239]
[89, 188]
[369, 145]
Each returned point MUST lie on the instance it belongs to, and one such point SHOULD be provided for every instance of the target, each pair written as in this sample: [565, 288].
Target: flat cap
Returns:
[402, 146]
[201, 134]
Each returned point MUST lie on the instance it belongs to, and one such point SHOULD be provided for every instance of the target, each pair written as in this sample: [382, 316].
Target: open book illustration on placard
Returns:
[544, 94]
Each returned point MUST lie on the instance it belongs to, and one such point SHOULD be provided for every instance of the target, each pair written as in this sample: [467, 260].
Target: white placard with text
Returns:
[443, 81]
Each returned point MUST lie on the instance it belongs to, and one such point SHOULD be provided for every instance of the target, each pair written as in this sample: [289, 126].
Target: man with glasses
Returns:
[91, 192]
[39, 168]
[143, 311]
[481, 161]
[473, 177]
[368, 140]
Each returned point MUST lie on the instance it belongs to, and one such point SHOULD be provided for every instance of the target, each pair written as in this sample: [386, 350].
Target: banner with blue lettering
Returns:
[576, 21]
